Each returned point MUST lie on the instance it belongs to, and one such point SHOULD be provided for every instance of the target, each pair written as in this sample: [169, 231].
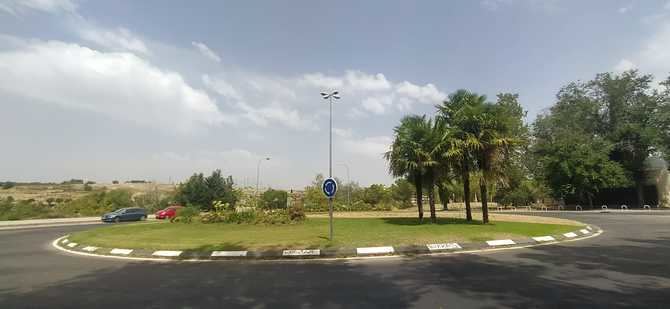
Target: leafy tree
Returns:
[375, 194]
[202, 191]
[274, 199]
[402, 191]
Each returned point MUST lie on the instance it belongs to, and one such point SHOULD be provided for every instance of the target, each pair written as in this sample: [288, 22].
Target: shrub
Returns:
[296, 213]
[8, 185]
[203, 191]
[115, 182]
[241, 217]
[274, 199]
[186, 214]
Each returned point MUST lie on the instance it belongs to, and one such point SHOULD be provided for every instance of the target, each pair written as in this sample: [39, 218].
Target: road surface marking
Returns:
[90, 249]
[501, 242]
[72, 244]
[544, 238]
[121, 251]
[374, 250]
[570, 235]
[229, 253]
[447, 246]
[585, 231]
[166, 253]
[301, 252]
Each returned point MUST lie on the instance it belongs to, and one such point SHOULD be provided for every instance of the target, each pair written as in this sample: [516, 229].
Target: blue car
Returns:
[125, 214]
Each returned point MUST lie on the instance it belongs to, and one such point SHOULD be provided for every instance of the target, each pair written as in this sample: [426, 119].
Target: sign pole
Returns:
[330, 168]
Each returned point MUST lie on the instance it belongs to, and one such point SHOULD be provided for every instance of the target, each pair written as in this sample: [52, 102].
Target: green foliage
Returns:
[402, 192]
[274, 199]
[296, 213]
[115, 182]
[74, 182]
[376, 194]
[186, 214]
[8, 185]
[202, 191]
[88, 187]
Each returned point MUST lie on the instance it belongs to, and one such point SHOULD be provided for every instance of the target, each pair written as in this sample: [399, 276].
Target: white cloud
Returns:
[371, 147]
[653, 56]
[624, 65]
[117, 84]
[16, 7]
[120, 39]
[206, 51]
[424, 94]
[361, 81]
[378, 104]
[625, 9]
[493, 5]
[667, 6]
[221, 87]
[322, 81]
[343, 132]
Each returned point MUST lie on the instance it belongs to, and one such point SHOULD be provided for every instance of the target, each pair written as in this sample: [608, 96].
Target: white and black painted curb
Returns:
[64, 244]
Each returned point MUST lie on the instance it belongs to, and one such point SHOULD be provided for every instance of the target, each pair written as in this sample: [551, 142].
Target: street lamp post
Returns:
[348, 183]
[258, 174]
[330, 97]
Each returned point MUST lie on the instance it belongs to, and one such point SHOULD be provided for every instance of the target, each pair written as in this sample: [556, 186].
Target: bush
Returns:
[241, 217]
[186, 214]
[202, 191]
[274, 199]
[8, 185]
[296, 213]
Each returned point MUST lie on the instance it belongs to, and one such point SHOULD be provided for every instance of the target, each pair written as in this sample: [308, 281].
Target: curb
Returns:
[64, 244]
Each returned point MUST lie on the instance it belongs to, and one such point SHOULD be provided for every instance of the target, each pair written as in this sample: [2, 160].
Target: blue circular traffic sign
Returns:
[329, 187]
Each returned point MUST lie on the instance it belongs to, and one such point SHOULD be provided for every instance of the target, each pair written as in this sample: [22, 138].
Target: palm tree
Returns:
[491, 137]
[407, 155]
[458, 140]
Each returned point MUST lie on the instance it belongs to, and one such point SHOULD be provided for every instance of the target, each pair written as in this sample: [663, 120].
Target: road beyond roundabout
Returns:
[627, 266]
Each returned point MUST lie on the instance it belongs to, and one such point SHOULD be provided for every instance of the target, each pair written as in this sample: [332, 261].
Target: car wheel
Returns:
[143, 218]
[117, 220]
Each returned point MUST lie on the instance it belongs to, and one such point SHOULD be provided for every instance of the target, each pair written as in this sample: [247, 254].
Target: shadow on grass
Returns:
[426, 221]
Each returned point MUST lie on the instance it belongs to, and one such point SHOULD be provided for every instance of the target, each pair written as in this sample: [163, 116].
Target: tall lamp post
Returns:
[330, 96]
[348, 183]
[258, 177]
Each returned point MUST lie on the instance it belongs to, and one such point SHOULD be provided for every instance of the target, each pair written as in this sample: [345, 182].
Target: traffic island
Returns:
[358, 238]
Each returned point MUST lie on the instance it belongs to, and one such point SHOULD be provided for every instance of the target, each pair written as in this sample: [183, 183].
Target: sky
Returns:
[158, 90]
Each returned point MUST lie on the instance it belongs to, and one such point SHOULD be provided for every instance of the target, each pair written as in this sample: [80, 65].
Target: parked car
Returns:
[125, 214]
[168, 213]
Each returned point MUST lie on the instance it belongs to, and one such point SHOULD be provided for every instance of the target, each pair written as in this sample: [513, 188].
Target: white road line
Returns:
[374, 250]
[121, 251]
[589, 227]
[447, 246]
[166, 253]
[229, 253]
[570, 235]
[65, 241]
[585, 231]
[501, 242]
[316, 252]
[90, 249]
[544, 238]
[72, 244]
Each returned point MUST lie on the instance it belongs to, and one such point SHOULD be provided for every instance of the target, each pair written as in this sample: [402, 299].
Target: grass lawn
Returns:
[313, 233]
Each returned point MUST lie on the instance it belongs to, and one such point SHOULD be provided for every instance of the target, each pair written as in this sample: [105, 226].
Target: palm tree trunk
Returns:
[443, 193]
[419, 195]
[485, 207]
[431, 195]
[466, 189]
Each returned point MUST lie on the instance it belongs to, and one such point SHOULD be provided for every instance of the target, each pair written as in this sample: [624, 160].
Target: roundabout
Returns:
[623, 267]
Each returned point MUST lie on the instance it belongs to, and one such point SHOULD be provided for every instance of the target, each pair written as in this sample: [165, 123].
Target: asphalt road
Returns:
[627, 266]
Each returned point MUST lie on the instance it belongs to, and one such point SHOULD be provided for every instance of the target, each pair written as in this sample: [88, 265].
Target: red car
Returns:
[168, 213]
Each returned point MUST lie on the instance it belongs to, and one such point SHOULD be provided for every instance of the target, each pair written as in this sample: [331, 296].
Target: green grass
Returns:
[313, 233]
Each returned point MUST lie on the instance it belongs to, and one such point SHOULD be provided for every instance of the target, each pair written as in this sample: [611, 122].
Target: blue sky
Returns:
[157, 90]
